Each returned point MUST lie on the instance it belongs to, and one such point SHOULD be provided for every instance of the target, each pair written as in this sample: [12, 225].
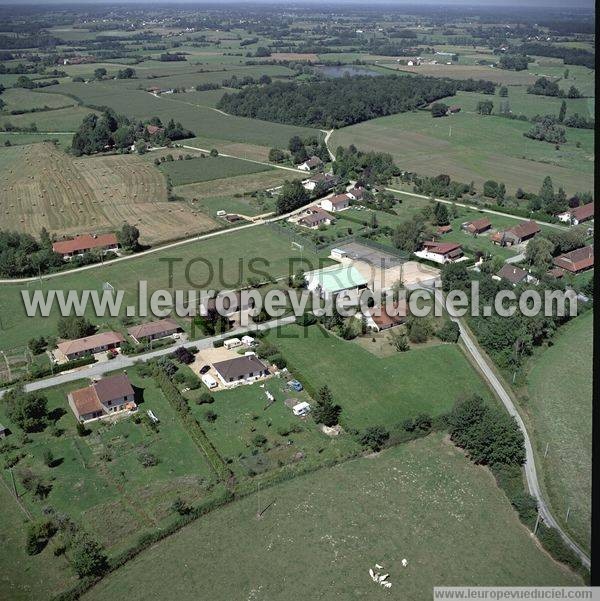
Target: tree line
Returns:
[343, 101]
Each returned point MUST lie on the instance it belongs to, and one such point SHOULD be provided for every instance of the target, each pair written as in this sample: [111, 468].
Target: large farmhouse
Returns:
[578, 214]
[517, 234]
[577, 260]
[82, 244]
[103, 398]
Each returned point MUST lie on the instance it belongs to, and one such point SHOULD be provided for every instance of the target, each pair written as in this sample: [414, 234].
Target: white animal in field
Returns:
[371, 573]
[382, 578]
[387, 584]
[404, 563]
[378, 566]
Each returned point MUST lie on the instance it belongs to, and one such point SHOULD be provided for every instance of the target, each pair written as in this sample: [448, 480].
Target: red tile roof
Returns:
[383, 320]
[512, 273]
[479, 225]
[152, 328]
[444, 229]
[583, 212]
[525, 229]
[86, 401]
[154, 129]
[576, 260]
[339, 199]
[81, 345]
[441, 248]
[85, 242]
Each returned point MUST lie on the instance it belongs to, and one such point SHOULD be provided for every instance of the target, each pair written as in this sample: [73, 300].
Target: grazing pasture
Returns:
[208, 168]
[559, 389]
[41, 186]
[422, 501]
[373, 390]
[470, 147]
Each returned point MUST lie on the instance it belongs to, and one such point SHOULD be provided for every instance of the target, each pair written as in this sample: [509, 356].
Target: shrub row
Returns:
[192, 426]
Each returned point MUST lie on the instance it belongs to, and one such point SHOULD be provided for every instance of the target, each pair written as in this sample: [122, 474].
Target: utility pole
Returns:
[568, 513]
[546, 451]
[537, 521]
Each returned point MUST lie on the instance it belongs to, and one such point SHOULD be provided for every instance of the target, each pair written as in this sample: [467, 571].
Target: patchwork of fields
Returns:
[42, 186]
[422, 501]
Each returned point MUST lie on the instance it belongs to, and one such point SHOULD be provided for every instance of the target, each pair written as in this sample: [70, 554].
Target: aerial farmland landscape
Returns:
[296, 300]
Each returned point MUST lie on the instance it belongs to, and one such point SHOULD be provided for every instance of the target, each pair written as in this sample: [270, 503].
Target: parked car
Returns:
[295, 385]
[204, 369]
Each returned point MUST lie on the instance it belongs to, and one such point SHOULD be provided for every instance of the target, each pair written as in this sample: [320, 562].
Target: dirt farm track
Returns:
[41, 186]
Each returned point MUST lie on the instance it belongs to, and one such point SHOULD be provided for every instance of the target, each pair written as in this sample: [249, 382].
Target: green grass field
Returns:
[373, 390]
[98, 480]
[243, 414]
[224, 262]
[202, 120]
[422, 501]
[469, 147]
[207, 169]
[559, 388]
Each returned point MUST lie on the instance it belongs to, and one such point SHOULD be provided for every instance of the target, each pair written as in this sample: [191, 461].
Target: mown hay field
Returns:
[41, 186]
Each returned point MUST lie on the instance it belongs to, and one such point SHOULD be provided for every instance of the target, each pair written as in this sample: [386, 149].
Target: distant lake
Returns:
[334, 71]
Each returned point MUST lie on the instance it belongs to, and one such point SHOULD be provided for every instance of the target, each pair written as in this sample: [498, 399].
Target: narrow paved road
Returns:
[530, 469]
[125, 361]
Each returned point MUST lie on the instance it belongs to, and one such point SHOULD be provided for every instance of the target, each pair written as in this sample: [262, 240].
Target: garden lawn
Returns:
[98, 479]
[208, 168]
[320, 534]
[244, 413]
[560, 408]
[373, 390]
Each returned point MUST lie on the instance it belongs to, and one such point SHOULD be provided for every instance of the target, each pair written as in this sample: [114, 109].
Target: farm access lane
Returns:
[125, 361]
[530, 468]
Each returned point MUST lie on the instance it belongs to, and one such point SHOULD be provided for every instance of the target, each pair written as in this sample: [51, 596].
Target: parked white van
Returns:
[209, 381]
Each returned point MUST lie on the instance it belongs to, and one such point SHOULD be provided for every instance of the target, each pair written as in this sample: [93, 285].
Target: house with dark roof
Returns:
[576, 261]
[309, 165]
[477, 226]
[578, 214]
[88, 242]
[327, 181]
[515, 275]
[440, 252]
[103, 398]
[315, 216]
[516, 234]
[153, 330]
[244, 369]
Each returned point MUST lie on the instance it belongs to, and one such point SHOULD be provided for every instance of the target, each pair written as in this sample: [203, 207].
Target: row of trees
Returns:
[344, 101]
